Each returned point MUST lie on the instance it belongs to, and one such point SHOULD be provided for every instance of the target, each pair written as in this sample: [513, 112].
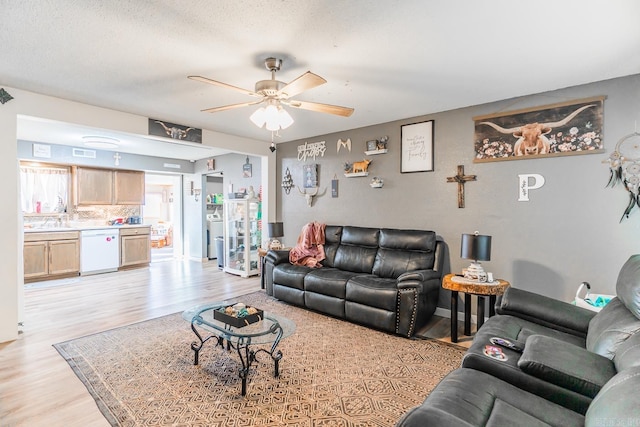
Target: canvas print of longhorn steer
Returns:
[566, 129]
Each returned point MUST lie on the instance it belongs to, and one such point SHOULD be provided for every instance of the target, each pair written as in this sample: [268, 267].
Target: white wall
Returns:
[46, 107]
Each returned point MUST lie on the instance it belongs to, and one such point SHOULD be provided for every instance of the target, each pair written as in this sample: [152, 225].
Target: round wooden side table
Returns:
[456, 284]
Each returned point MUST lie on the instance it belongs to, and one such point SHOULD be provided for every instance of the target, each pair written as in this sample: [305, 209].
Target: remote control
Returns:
[506, 344]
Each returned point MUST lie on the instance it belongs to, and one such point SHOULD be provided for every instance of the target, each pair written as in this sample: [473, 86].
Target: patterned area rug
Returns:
[333, 373]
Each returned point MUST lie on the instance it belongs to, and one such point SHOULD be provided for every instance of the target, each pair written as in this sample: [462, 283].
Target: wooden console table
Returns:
[497, 287]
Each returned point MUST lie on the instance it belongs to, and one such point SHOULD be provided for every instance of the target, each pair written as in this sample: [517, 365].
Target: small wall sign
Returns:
[528, 182]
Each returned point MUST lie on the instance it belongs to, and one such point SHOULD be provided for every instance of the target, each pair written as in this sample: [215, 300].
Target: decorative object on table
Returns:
[238, 315]
[346, 144]
[251, 194]
[312, 150]
[275, 95]
[308, 196]
[376, 182]
[593, 302]
[310, 175]
[334, 186]
[377, 146]
[4, 96]
[461, 179]
[416, 147]
[528, 182]
[624, 168]
[287, 181]
[275, 230]
[567, 128]
[175, 131]
[357, 168]
[475, 247]
[246, 169]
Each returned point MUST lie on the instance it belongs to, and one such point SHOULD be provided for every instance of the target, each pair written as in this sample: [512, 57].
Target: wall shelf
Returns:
[374, 152]
[356, 174]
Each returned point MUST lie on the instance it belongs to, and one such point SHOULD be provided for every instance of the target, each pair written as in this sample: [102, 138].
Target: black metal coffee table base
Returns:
[242, 344]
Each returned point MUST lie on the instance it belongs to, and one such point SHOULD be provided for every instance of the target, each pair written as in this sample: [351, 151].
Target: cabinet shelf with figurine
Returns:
[242, 236]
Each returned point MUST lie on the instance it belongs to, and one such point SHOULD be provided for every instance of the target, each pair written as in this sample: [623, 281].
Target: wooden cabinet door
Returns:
[135, 250]
[36, 259]
[64, 256]
[129, 187]
[93, 186]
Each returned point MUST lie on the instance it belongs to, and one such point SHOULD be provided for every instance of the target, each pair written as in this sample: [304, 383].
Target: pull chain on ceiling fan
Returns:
[276, 94]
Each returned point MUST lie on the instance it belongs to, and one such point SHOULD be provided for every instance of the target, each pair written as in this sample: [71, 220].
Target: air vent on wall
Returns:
[79, 152]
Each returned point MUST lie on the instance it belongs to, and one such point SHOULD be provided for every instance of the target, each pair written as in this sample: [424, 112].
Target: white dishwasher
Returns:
[99, 251]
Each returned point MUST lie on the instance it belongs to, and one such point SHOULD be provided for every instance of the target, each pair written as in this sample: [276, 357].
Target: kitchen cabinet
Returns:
[242, 236]
[128, 187]
[135, 246]
[94, 186]
[51, 255]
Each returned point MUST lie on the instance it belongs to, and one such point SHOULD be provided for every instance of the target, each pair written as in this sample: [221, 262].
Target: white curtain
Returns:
[47, 186]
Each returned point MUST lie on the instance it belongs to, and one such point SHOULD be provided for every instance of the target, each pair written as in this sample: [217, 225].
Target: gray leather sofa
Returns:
[576, 366]
[388, 279]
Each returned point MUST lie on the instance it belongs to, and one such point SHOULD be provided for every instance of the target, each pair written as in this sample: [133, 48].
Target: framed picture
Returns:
[416, 147]
[372, 145]
[246, 169]
[562, 129]
[310, 175]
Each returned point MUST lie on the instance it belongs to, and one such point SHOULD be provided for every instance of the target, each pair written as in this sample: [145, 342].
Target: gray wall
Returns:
[568, 232]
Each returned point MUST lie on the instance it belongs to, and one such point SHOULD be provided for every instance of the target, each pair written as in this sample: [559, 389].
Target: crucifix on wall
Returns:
[461, 179]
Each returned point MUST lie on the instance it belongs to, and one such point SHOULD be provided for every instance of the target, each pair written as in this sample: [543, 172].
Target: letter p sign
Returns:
[528, 182]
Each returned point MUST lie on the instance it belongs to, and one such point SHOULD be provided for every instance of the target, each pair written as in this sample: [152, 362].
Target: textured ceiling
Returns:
[388, 59]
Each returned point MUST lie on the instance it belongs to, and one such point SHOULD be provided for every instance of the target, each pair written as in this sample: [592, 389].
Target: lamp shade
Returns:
[475, 247]
[275, 229]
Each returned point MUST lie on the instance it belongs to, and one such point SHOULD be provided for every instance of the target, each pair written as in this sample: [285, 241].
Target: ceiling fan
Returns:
[274, 94]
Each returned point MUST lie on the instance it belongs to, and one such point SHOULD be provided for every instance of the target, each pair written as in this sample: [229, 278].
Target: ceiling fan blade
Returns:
[230, 107]
[322, 108]
[305, 82]
[228, 86]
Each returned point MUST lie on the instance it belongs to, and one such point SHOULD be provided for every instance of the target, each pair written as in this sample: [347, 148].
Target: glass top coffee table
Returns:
[267, 332]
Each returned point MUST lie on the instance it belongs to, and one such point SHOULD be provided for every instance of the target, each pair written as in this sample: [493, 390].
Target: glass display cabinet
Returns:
[242, 236]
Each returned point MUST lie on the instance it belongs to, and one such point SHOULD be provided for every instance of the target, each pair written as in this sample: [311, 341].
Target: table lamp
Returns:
[275, 229]
[476, 248]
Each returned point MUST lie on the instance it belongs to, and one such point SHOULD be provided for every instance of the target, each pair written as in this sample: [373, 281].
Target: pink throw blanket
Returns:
[310, 248]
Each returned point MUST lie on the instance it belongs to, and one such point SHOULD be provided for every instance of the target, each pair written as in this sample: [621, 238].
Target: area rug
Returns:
[333, 373]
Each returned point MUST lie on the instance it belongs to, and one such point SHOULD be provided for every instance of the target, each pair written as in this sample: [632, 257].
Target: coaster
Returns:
[494, 352]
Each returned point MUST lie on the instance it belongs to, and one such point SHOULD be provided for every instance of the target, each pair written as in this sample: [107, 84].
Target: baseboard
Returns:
[443, 312]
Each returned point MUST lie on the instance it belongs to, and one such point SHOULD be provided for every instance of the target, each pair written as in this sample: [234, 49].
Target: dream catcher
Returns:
[624, 165]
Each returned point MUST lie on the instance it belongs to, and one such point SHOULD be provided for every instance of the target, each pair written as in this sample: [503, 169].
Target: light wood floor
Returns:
[37, 387]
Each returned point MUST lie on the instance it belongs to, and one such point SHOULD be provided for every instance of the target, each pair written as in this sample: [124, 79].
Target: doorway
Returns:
[163, 212]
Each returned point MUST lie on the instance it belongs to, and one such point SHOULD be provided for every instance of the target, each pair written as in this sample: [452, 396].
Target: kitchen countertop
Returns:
[80, 227]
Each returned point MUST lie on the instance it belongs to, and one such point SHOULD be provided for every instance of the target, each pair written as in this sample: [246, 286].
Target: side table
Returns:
[457, 284]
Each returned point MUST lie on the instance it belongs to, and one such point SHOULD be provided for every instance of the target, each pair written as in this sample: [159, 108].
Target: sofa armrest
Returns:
[545, 311]
[566, 365]
[278, 256]
[419, 275]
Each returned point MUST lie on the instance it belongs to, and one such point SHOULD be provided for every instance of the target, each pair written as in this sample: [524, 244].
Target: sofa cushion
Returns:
[290, 275]
[467, 397]
[618, 403]
[566, 365]
[404, 250]
[328, 281]
[357, 250]
[628, 285]
[610, 328]
[373, 291]
[332, 235]
[628, 353]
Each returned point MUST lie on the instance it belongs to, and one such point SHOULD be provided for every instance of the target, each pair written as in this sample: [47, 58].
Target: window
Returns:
[44, 189]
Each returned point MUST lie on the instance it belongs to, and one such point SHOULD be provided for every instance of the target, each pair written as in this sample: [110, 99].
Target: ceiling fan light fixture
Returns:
[258, 117]
[273, 117]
